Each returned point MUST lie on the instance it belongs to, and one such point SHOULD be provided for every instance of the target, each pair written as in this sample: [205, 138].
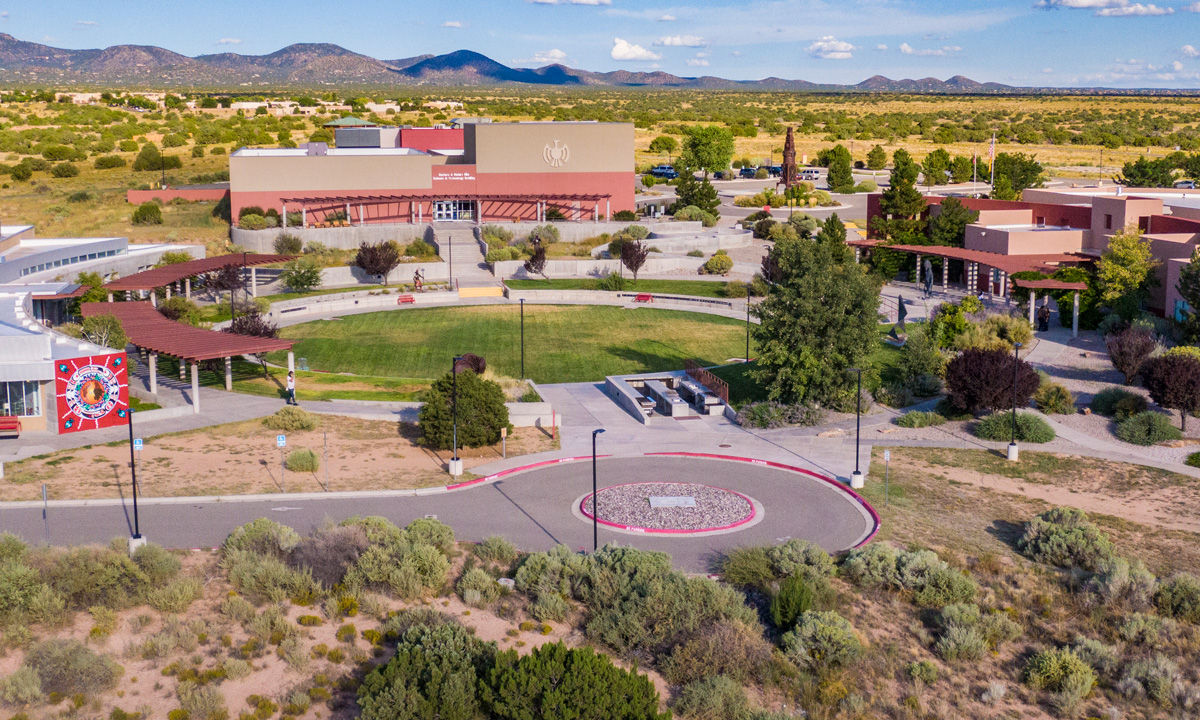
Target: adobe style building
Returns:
[1051, 228]
[482, 172]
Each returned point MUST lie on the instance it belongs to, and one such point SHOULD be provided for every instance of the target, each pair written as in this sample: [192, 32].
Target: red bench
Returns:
[10, 424]
[643, 297]
[406, 299]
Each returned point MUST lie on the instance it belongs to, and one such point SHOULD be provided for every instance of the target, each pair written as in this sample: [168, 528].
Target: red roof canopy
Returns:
[1008, 263]
[1048, 284]
[146, 327]
[167, 274]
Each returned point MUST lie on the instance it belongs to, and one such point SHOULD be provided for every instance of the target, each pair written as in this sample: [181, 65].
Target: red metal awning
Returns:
[1048, 284]
[147, 328]
[162, 276]
[1008, 263]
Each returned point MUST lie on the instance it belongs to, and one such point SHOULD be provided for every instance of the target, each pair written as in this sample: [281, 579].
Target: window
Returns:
[1107, 222]
[20, 398]
[1040, 221]
[1182, 308]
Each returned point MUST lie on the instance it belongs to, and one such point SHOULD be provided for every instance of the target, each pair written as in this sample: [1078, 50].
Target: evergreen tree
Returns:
[434, 675]
[899, 223]
[700, 193]
[877, 158]
[1003, 189]
[949, 227]
[840, 178]
[833, 230]
[820, 318]
[481, 412]
[1148, 173]
[961, 169]
[935, 167]
[1189, 289]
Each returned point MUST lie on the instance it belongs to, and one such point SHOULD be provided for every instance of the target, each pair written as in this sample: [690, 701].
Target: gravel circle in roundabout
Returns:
[659, 507]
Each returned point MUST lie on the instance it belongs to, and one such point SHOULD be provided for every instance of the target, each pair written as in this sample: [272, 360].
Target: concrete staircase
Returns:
[469, 268]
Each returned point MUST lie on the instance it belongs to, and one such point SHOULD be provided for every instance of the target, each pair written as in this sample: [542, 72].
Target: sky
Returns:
[1064, 43]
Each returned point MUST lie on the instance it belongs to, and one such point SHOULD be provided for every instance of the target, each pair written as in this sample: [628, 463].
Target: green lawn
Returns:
[743, 389]
[562, 343]
[697, 288]
[249, 378]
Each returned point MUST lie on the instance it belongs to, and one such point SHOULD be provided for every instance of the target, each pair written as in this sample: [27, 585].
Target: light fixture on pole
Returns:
[1012, 445]
[523, 339]
[456, 467]
[856, 478]
[136, 540]
[747, 326]
[595, 516]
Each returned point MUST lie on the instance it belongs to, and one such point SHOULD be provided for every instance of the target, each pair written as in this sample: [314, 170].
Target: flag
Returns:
[992, 150]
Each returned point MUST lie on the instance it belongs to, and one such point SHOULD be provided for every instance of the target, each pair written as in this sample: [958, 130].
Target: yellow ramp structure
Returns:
[478, 292]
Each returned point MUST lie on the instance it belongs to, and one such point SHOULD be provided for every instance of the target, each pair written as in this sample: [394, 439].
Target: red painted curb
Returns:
[510, 471]
[671, 531]
[768, 463]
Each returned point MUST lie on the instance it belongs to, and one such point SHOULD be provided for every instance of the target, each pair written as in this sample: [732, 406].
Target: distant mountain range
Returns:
[25, 63]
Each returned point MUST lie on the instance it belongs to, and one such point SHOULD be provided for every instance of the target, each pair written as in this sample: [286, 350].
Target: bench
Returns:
[10, 424]
[643, 297]
[406, 300]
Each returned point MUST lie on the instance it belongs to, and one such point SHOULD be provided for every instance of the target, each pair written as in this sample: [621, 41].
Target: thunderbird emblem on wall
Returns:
[557, 155]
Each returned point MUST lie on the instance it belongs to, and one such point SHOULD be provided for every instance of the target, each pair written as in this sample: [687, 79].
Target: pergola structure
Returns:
[148, 330]
[346, 203]
[169, 276]
[1034, 285]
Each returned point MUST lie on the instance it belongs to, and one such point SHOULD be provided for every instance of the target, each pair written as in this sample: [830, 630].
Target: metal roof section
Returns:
[146, 327]
[163, 276]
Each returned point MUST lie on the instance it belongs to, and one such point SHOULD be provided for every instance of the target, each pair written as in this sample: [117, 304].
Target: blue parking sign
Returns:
[137, 444]
[281, 440]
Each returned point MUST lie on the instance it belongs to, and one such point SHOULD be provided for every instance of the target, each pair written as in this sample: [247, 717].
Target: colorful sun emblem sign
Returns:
[93, 392]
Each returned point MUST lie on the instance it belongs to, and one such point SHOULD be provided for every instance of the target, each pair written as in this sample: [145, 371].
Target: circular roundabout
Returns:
[659, 507]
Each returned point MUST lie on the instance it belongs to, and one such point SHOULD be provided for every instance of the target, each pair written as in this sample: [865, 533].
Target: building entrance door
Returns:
[453, 210]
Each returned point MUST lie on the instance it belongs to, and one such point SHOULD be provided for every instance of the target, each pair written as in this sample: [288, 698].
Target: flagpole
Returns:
[992, 160]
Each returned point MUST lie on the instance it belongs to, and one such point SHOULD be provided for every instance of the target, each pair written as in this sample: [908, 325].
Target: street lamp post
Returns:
[747, 327]
[595, 521]
[522, 338]
[455, 462]
[136, 540]
[856, 478]
[1012, 445]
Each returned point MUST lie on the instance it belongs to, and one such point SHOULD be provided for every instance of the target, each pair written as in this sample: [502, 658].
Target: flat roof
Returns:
[32, 246]
[303, 152]
[167, 274]
[147, 327]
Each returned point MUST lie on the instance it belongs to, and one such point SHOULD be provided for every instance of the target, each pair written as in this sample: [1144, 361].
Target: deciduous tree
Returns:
[379, 259]
[1156, 173]
[708, 148]
[1173, 380]
[949, 227]
[1189, 290]
[983, 380]
[536, 264]
[1125, 272]
[633, 256]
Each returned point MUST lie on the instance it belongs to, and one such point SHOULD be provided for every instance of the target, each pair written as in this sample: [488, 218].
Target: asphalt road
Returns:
[532, 509]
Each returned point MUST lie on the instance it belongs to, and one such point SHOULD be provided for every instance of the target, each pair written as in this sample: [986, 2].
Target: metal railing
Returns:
[716, 385]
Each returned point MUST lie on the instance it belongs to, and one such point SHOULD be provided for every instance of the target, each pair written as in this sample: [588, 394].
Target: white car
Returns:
[810, 174]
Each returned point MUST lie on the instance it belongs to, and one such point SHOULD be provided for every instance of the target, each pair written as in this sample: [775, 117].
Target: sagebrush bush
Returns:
[302, 460]
[1156, 677]
[727, 648]
[1065, 537]
[1119, 403]
[1179, 598]
[23, 687]
[931, 581]
[997, 427]
[431, 532]
[202, 702]
[822, 642]
[1147, 428]
[237, 608]
[1055, 669]
[496, 549]
[263, 578]
[487, 590]
[176, 596]
[1119, 583]
[800, 557]
[1055, 399]
[920, 419]
[1144, 629]
[262, 537]
[747, 567]
[712, 698]
[1104, 659]
[87, 576]
[158, 563]
[68, 666]
[961, 642]
[550, 607]
[236, 669]
[292, 419]
[923, 671]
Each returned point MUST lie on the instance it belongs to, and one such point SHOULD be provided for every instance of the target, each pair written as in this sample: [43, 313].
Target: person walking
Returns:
[1044, 318]
[291, 388]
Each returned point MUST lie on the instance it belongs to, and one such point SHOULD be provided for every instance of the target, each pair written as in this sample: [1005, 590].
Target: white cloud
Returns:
[1177, 66]
[830, 48]
[1047, 71]
[88, 23]
[881, 46]
[571, 2]
[1141, 72]
[1135, 10]
[4, 13]
[697, 62]
[681, 41]
[939, 52]
[47, 38]
[452, 24]
[1189, 51]
[545, 57]
[1193, 8]
[624, 50]
[1079, 4]
[229, 41]
[671, 18]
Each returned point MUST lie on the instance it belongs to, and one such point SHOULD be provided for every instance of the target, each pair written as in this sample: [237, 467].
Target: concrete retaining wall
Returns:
[137, 197]
[597, 268]
[342, 238]
[351, 301]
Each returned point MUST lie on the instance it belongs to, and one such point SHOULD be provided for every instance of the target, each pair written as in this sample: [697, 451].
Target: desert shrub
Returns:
[920, 419]
[923, 671]
[1156, 677]
[1179, 597]
[550, 607]
[691, 212]
[922, 573]
[19, 587]
[108, 162]
[747, 567]
[989, 629]
[943, 586]
[147, 213]
[477, 588]
[201, 702]
[23, 687]
[1142, 629]
[262, 537]
[288, 244]
[237, 608]
[1055, 399]
[1129, 349]
[712, 698]
[176, 596]
[800, 557]
[400, 561]
[795, 597]
[772, 415]
[718, 264]
[1065, 537]
[496, 233]
[555, 571]
[496, 549]
[613, 282]
[997, 427]
[302, 460]
[624, 215]
[1119, 403]
[329, 552]
[727, 648]
[292, 419]
[547, 234]
[1147, 428]
[236, 669]
[961, 642]
[1054, 669]
[872, 566]
[94, 576]
[431, 532]
[1121, 583]
[68, 666]
[1102, 658]
[496, 255]
[265, 578]
[895, 395]
[983, 380]
[11, 547]
[65, 170]
[822, 641]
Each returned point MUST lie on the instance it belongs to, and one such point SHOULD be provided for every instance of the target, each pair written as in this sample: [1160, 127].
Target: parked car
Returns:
[810, 174]
[747, 172]
[775, 170]
[1186, 185]
[665, 172]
